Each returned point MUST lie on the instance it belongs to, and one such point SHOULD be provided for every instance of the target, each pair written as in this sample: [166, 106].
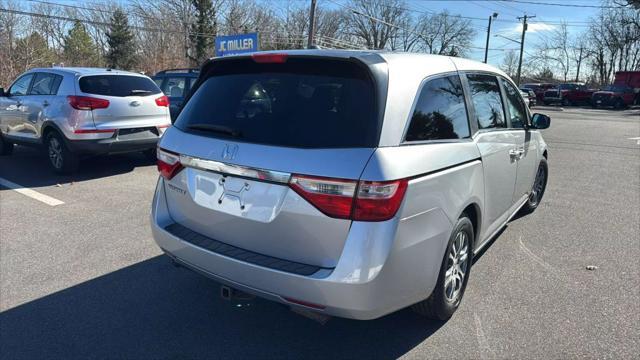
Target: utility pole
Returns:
[486, 49]
[524, 30]
[312, 24]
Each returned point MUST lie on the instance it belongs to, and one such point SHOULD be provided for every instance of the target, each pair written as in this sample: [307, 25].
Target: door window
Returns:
[485, 94]
[21, 86]
[440, 112]
[517, 109]
[45, 84]
[174, 86]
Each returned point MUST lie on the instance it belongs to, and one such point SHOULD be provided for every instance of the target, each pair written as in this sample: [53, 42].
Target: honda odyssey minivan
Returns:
[348, 183]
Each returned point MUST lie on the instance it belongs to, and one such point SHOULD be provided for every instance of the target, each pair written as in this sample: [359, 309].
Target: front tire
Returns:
[61, 159]
[6, 148]
[453, 276]
[539, 186]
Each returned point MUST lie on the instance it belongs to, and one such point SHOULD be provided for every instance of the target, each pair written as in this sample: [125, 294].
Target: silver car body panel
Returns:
[38, 111]
[369, 268]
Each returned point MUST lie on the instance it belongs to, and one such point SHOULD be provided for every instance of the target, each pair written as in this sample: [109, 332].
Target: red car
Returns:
[568, 94]
[617, 96]
[625, 91]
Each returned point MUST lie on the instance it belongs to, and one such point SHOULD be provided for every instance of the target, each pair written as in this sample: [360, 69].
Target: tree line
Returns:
[609, 42]
[148, 36]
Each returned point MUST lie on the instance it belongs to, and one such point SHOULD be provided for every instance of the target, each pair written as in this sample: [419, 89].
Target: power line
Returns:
[564, 5]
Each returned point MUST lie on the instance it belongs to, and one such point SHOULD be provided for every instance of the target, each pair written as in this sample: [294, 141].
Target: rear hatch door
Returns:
[134, 101]
[247, 129]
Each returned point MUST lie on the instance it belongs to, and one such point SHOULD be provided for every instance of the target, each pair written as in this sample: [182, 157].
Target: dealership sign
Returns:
[236, 44]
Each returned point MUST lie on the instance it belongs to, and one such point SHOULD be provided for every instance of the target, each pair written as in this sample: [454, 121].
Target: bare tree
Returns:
[373, 21]
[445, 34]
[510, 63]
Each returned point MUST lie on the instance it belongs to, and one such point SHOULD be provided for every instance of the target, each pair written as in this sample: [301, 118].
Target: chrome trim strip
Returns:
[238, 170]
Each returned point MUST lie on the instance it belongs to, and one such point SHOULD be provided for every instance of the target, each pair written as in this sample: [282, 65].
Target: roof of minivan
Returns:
[86, 71]
[398, 61]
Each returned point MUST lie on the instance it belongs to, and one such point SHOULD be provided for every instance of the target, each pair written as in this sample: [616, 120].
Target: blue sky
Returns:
[547, 18]
[506, 24]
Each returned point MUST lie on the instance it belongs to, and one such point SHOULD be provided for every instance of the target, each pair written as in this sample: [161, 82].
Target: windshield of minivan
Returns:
[308, 103]
[118, 85]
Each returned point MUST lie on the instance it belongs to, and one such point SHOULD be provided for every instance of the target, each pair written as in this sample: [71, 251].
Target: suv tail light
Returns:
[87, 103]
[162, 101]
[350, 199]
[168, 163]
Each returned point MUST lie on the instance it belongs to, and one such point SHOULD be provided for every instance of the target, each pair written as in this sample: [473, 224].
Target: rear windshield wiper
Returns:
[139, 92]
[215, 129]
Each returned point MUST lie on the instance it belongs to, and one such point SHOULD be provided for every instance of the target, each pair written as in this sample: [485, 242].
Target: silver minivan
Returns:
[349, 183]
[73, 112]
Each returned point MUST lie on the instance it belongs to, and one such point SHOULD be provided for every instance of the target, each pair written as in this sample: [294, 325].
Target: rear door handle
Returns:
[516, 154]
[45, 103]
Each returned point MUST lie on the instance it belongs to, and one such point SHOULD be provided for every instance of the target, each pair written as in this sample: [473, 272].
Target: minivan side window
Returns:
[45, 84]
[485, 94]
[440, 112]
[517, 109]
[21, 86]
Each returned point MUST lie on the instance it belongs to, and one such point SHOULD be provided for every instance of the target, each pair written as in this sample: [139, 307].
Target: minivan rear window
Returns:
[307, 103]
[118, 85]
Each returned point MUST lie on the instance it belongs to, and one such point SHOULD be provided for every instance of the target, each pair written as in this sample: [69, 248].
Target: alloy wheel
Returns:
[457, 266]
[55, 153]
[538, 187]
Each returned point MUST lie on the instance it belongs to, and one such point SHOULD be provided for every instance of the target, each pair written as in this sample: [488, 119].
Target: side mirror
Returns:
[540, 121]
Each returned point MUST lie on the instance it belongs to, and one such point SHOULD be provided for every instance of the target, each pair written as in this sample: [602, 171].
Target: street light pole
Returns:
[312, 24]
[486, 49]
[524, 30]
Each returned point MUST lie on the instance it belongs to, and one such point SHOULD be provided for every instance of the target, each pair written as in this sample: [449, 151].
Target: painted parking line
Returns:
[30, 193]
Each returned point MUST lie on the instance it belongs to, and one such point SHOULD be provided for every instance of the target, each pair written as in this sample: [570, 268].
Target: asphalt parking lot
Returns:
[84, 279]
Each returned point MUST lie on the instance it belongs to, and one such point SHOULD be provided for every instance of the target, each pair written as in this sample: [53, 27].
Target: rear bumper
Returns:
[383, 266]
[115, 144]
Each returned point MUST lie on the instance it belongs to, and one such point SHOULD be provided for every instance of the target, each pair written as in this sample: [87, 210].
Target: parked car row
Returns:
[624, 92]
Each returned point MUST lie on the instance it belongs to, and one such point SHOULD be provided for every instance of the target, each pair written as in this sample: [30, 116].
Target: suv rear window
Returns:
[118, 85]
[308, 103]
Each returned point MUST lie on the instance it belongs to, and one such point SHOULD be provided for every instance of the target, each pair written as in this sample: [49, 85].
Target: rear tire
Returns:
[61, 159]
[453, 276]
[566, 102]
[539, 186]
[619, 105]
[6, 148]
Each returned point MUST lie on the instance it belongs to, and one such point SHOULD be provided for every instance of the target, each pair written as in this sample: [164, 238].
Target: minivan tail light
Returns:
[350, 199]
[333, 197]
[379, 201]
[162, 101]
[87, 103]
[168, 163]
[270, 58]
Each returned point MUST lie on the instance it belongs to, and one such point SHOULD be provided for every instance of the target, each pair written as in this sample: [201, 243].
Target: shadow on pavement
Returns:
[153, 310]
[29, 167]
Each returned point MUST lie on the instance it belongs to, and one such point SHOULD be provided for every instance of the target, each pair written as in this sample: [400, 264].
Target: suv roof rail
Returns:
[178, 70]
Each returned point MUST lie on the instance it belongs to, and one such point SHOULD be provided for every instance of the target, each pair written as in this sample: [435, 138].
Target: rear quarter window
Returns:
[118, 85]
[306, 103]
[440, 112]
